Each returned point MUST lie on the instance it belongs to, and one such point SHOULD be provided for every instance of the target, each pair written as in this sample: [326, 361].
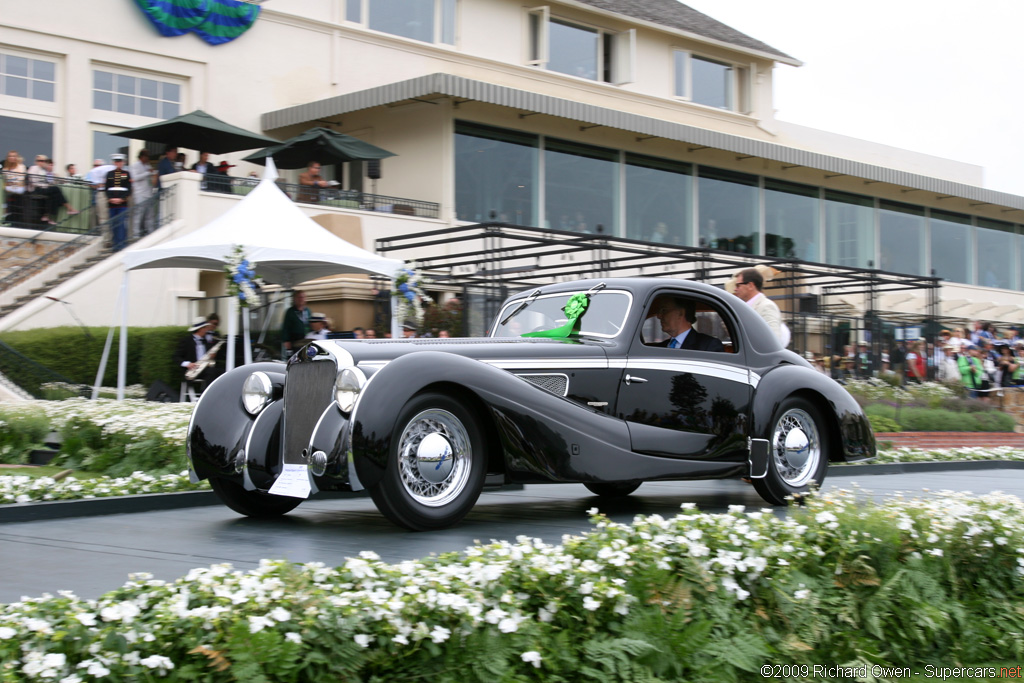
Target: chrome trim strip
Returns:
[755, 378]
[544, 363]
[353, 477]
[696, 367]
[376, 364]
[547, 374]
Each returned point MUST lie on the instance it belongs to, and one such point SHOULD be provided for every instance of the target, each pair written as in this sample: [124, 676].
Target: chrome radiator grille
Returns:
[307, 392]
[556, 384]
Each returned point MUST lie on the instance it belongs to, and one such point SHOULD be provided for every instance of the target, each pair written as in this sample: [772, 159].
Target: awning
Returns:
[531, 102]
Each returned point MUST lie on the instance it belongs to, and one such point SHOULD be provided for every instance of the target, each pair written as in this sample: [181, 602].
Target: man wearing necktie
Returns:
[677, 316]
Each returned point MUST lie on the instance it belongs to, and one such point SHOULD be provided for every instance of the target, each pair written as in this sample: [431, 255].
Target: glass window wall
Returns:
[728, 205]
[495, 173]
[659, 204]
[136, 96]
[581, 187]
[407, 18]
[952, 246]
[849, 230]
[995, 254]
[791, 221]
[28, 138]
[902, 237]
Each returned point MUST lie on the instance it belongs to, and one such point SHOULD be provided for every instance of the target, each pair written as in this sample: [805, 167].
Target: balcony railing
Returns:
[328, 196]
[27, 208]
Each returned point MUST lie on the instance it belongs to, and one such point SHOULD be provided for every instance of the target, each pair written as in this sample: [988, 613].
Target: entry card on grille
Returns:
[294, 482]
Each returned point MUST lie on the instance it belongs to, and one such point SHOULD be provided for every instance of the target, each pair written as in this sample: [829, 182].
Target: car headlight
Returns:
[256, 392]
[347, 387]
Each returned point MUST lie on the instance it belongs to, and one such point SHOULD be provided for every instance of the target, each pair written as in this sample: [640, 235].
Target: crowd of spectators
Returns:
[984, 359]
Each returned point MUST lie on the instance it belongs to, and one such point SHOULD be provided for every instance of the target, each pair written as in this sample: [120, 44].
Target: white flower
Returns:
[362, 639]
[95, 669]
[157, 662]
[73, 678]
[86, 619]
[508, 625]
[293, 637]
[937, 552]
[590, 603]
[441, 634]
[591, 512]
[6, 633]
[823, 517]
[802, 594]
[257, 624]
[532, 657]
[279, 614]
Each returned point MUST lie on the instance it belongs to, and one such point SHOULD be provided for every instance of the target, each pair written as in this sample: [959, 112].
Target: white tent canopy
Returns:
[287, 246]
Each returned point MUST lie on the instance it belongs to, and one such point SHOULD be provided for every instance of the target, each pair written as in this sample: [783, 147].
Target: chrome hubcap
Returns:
[434, 457]
[796, 447]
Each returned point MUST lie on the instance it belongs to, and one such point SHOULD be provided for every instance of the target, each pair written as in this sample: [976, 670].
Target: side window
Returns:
[669, 315]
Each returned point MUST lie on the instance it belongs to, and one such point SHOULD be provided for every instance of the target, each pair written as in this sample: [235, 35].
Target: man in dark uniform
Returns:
[193, 347]
[119, 189]
[677, 316]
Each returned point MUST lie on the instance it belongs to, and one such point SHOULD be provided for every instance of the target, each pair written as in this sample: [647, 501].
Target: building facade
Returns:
[641, 119]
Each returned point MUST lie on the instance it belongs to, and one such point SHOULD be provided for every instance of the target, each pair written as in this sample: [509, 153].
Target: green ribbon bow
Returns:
[574, 309]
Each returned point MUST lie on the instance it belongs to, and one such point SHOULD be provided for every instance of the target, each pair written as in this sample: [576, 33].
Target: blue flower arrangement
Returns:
[409, 294]
[243, 282]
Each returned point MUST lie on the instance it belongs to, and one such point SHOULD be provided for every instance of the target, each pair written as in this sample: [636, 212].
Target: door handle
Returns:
[638, 380]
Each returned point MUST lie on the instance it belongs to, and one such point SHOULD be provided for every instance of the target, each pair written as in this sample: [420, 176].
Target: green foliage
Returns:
[20, 434]
[880, 423]
[956, 415]
[67, 351]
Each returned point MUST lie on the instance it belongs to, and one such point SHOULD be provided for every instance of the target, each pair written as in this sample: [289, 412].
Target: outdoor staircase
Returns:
[55, 281]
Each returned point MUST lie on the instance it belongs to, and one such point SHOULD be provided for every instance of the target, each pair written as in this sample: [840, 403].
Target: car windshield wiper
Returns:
[529, 300]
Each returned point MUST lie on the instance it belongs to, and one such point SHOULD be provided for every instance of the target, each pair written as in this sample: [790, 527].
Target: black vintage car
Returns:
[593, 394]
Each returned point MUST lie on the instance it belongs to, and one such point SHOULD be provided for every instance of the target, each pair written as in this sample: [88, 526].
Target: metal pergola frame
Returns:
[498, 258]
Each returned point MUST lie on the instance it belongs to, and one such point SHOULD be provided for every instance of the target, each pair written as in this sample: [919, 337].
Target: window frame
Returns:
[162, 79]
[739, 95]
[616, 50]
[440, 29]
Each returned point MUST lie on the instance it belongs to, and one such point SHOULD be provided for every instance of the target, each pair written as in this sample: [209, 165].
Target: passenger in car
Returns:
[677, 316]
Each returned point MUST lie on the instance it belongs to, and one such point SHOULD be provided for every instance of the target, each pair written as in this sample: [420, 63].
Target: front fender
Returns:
[848, 425]
[220, 424]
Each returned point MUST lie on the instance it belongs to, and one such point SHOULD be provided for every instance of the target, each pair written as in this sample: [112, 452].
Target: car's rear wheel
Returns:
[252, 503]
[616, 489]
[436, 464]
[798, 455]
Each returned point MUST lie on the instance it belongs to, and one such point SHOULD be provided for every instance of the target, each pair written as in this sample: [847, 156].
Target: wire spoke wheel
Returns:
[435, 457]
[796, 447]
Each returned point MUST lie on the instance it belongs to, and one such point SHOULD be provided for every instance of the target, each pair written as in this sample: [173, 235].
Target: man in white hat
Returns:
[193, 348]
[318, 326]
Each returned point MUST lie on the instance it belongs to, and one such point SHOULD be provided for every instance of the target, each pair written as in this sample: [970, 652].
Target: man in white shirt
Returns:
[749, 283]
[97, 177]
[142, 189]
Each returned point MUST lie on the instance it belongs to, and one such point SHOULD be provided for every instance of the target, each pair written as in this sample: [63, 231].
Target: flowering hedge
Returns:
[23, 489]
[104, 436]
[700, 597]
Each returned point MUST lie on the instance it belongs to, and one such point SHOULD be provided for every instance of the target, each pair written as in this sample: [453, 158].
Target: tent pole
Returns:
[232, 332]
[122, 349]
[396, 324]
[110, 338]
[247, 352]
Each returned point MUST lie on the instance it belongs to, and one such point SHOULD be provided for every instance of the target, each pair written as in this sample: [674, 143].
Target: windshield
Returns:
[604, 317]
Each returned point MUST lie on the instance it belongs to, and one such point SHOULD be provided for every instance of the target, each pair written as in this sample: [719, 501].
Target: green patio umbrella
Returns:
[200, 131]
[318, 144]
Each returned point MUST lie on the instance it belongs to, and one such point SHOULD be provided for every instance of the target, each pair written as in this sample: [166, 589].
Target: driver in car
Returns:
[677, 316]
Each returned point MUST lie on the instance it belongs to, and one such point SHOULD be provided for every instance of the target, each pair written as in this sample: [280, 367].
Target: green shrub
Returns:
[67, 351]
[884, 424]
[994, 421]
[20, 434]
[915, 419]
[882, 410]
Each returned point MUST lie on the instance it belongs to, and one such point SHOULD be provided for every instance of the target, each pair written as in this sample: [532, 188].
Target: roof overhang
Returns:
[523, 100]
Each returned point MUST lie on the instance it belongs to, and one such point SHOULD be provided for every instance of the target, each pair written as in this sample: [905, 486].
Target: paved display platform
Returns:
[94, 554]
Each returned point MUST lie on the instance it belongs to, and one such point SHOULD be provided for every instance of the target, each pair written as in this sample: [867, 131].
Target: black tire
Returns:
[433, 498]
[789, 471]
[252, 503]
[616, 489]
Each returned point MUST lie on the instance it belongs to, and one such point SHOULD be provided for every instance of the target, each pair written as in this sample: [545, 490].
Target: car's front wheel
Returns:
[798, 454]
[436, 465]
[616, 489]
[252, 503]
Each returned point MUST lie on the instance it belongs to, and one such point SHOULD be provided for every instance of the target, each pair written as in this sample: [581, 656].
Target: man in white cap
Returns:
[118, 188]
[318, 326]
